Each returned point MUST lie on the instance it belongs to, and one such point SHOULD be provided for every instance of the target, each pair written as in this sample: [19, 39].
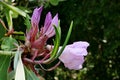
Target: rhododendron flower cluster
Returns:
[72, 56]
[36, 39]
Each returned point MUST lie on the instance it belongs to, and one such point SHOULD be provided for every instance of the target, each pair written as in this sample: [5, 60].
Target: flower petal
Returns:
[47, 22]
[30, 36]
[51, 32]
[36, 16]
[73, 55]
[79, 51]
[76, 64]
[80, 44]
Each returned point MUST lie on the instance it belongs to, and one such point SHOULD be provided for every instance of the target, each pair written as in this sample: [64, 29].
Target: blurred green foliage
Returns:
[95, 21]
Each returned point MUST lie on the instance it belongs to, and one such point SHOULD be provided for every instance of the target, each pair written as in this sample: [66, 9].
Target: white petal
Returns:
[20, 73]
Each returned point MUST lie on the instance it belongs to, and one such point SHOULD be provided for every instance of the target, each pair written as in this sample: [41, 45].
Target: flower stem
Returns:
[7, 53]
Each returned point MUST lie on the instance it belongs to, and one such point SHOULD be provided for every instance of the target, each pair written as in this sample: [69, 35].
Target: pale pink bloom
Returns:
[73, 55]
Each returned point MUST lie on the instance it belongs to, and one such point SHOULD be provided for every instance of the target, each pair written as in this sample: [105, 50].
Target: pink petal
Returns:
[79, 51]
[65, 57]
[75, 63]
[47, 22]
[51, 32]
[82, 44]
[36, 16]
[73, 55]
[35, 22]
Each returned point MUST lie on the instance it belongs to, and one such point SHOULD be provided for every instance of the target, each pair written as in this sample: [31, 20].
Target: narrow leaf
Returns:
[27, 23]
[57, 41]
[4, 64]
[54, 2]
[14, 14]
[66, 40]
[56, 44]
[15, 9]
[9, 19]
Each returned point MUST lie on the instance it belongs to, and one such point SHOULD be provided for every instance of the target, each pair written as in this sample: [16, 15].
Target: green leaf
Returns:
[9, 19]
[18, 37]
[56, 44]
[54, 2]
[4, 64]
[57, 41]
[30, 75]
[25, 9]
[14, 14]
[27, 23]
[15, 9]
[66, 40]
[8, 43]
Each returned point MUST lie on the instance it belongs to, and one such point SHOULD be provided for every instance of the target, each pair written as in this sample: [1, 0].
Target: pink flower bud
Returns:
[73, 55]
